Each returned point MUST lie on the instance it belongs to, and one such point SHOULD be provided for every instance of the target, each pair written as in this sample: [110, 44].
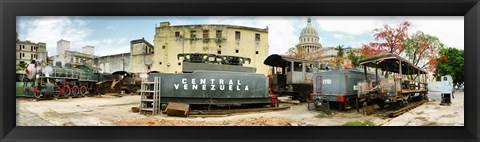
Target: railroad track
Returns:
[224, 112]
[405, 109]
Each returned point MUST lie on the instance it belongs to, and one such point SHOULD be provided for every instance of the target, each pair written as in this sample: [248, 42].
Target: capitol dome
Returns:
[309, 30]
[309, 40]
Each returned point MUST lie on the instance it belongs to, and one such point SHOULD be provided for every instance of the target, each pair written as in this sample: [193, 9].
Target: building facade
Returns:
[113, 63]
[141, 54]
[27, 51]
[231, 40]
[64, 55]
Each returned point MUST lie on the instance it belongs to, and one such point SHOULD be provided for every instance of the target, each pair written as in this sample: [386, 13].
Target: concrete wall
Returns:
[168, 45]
[141, 56]
[112, 63]
[88, 50]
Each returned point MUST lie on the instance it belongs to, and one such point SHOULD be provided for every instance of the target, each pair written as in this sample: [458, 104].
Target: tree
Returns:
[423, 49]
[341, 50]
[21, 66]
[369, 51]
[389, 39]
[451, 62]
[355, 58]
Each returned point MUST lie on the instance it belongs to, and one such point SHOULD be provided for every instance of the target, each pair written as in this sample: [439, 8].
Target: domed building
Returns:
[309, 40]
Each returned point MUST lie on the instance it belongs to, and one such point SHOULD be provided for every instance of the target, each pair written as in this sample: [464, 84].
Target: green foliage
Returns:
[355, 58]
[421, 48]
[22, 66]
[360, 123]
[453, 65]
[341, 50]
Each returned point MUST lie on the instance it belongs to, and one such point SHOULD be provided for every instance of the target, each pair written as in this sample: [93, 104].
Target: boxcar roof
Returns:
[276, 60]
[390, 62]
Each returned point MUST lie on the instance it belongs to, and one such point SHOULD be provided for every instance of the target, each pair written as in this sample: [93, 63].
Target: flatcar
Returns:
[407, 82]
[292, 76]
[208, 79]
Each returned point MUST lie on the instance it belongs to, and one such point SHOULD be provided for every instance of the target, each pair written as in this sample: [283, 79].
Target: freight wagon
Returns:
[336, 89]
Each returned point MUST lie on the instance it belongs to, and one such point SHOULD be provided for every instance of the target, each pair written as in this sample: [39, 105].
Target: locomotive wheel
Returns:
[67, 92]
[37, 95]
[55, 94]
[83, 90]
[75, 90]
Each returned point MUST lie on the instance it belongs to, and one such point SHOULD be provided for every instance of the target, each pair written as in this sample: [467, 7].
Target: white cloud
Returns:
[449, 29]
[50, 29]
[111, 28]
[347, 25]
[281, 30]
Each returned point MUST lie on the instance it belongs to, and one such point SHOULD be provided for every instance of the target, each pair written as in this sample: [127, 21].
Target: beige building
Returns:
[64, 55]
[232, 40]
[27, 51]
[113, 63]
[141, 56]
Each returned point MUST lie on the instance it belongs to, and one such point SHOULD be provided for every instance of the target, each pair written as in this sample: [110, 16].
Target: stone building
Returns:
[113, 63]
[214, 39]
[27, 51]
[64, 55]
[309, 40]
[141, 54]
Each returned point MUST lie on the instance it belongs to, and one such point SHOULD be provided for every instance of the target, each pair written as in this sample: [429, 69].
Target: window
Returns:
[193, 34]
[31, 56]
[236, 51]
[31, 48]
[19, 47]
[219, 34]
[177, 34]
[237, 35]
[23, 46]
[159, 62]
[257, 37]
[20, 55]
[297, 66]
[179, 63]
[256, 52]
[219, 52]
[23, 54]
[205, 33]
[163, 47]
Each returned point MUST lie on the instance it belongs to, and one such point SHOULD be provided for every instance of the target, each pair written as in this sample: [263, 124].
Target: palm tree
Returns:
[341, 50]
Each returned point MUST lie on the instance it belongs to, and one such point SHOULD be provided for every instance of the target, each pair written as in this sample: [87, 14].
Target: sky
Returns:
[112, 34]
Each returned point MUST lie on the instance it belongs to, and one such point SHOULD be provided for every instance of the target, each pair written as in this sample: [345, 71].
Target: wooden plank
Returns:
[177, 109]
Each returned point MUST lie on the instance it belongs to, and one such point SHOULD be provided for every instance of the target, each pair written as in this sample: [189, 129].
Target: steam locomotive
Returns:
[55, 81]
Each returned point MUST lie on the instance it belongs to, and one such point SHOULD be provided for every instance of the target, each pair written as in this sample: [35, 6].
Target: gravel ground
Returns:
[433, 114]
[116, 111]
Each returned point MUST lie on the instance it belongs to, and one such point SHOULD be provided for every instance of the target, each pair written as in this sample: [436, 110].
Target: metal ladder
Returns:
[150, 96]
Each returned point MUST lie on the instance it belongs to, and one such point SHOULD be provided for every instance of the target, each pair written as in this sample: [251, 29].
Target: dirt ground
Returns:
[116, 111]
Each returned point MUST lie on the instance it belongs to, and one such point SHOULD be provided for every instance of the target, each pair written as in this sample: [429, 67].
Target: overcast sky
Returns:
[112, 35]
